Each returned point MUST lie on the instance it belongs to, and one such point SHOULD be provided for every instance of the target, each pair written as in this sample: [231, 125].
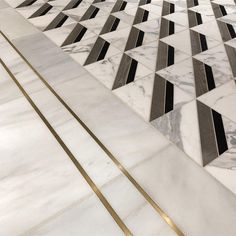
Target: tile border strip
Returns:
[96, 190]
[157, 208]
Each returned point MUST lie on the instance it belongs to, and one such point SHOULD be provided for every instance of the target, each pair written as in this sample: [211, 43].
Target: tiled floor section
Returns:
[113, 115]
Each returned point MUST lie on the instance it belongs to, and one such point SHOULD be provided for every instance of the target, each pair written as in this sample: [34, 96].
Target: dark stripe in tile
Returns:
[162, 56]
[76, 35]
[167, 8]
[123, 6]
[72, 4]
[171, 56]
[103, 51]
[191, 3]
[42, 10]
[90, 13]
[135, 39]
[217, 10]
[219, 132]
[57, 22]
[119, 6]
[192, 20]
[115, 24]
[169, 98]
[26, 3]
[164, 28]
[132, 71]
[203, 42]
[207, 134]
[110, 25]
[201, 85]
[223, 11]
[158, 98]
[210, 78]
[171, 27]
[199, 18]
[231, 31]
[140, 16]
[195, 2]
[196, 46]
[122, 72]
[224, 31]
[172, 8]
[98, 51]
[143, 2]
[140, 38]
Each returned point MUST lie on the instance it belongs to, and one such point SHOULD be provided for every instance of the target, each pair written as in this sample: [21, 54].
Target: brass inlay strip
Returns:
[109, 154]
[72, 157]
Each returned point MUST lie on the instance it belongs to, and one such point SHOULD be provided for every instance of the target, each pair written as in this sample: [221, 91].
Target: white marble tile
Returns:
[118, 38]
[28, 11]
[105, 6]
[138, 95]
[77, 220]
[126, 15]
[180, 40]
[145, 54]
[105, 70]
[224, 169]
[78, 12]
[209, 29]
[152, 173]
[181, 74]
[36, 184]
[3, 4]
[204, 8]
[217, 58]
[155, 9]
[231, 43]
[95, 24]
[150, 26]
[42, 22]
[59, 4]
[19, 27]
[14, 3]
[180, 18]
[181, 127]
[229, 19]
[80, 51]
[222, 100]
[128, 203]
[59, 35]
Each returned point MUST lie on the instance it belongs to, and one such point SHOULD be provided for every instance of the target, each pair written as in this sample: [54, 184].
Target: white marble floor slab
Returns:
[126, 123]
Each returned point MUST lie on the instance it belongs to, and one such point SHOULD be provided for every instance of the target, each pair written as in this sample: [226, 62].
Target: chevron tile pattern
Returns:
[173, 62]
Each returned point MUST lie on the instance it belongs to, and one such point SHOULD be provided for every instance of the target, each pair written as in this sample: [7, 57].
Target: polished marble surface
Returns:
[118, 117]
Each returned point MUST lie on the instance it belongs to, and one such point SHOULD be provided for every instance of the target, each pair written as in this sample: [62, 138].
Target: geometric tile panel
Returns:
[171, 61]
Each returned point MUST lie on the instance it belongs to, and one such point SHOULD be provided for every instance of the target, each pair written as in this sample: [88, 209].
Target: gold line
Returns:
[110, 155]
[72, 157]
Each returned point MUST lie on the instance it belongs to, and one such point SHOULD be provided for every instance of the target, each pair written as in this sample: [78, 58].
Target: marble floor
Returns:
[118, 117]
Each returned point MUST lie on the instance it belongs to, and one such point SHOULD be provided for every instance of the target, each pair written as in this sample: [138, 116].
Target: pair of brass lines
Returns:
[109, 154]
[71, 156]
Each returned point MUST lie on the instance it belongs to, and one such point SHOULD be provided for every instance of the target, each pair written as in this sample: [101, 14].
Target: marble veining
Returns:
[141, 93]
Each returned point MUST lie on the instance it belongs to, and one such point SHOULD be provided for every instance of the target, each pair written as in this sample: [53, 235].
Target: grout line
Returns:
[72, 157]
[109, 154]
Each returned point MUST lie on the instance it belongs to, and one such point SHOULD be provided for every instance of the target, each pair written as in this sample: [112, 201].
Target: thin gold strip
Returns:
[72, 157]
[109, 154]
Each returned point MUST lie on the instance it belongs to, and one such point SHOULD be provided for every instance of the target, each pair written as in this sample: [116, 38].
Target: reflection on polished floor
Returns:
[118, 117]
